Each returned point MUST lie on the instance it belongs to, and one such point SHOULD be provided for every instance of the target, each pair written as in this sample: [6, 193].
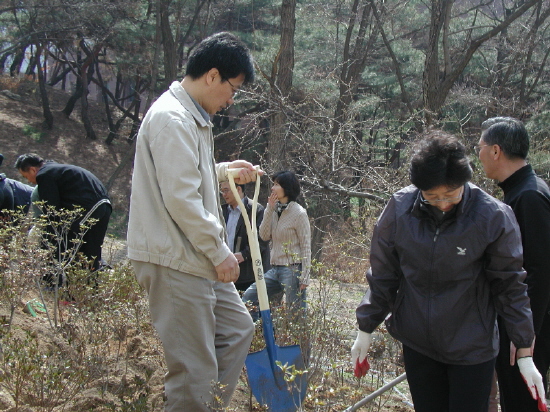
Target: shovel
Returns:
[276, 374]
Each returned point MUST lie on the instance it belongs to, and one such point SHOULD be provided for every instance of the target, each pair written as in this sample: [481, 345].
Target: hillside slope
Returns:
[21, 131]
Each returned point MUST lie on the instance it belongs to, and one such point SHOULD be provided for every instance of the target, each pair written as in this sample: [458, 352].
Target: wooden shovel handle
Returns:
[252, 231]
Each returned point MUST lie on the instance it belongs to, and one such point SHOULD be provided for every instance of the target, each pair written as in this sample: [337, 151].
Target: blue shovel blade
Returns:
[268, 385]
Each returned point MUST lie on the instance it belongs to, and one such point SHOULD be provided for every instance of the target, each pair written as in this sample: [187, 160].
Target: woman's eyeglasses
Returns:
[432, 202]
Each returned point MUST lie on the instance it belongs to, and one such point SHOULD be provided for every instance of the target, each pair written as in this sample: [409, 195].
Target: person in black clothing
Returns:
[14, 195]
[238, 237]
[66, 186]
[502, 150]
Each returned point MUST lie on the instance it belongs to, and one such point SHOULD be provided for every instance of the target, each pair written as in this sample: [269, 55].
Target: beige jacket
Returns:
[175, 214]
[290, 237]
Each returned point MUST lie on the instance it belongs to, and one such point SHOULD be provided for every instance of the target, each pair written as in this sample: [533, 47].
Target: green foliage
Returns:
[33, 133]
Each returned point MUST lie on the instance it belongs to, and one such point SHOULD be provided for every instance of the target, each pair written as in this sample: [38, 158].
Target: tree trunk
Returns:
[84, 114]
[136, 123]
[17, 61]
[281, 84]
[170, 55]
[87, 70]
[3, 59]
[69, 106]
[54, 79]
[105, 96]
[48, 116]
[154, 72]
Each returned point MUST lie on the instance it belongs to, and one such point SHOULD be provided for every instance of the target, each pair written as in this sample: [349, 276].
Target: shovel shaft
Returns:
[253, 243]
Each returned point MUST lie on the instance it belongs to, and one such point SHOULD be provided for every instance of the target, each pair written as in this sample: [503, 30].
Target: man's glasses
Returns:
[477, 148]
[235, 90]
[224, 191]
[433, 202]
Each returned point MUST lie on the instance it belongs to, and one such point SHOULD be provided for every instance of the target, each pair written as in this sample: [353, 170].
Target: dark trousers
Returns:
[93, 238]
[514, 395]
[441, 387]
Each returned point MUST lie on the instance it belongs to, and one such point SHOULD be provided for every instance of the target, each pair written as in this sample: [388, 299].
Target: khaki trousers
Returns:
[205, 331]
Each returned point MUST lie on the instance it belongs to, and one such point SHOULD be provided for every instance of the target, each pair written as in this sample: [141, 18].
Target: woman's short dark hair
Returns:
[222, 51]
[27, 160]
[289, 182]
[439, 159]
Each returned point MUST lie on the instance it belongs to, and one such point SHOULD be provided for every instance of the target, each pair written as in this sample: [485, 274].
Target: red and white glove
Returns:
[359, 352]
[533, 379]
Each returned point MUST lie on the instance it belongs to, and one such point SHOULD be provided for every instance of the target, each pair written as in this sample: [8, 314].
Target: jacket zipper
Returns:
[437, 228]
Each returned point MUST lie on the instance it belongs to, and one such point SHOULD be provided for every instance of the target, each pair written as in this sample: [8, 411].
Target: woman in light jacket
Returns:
[445, 259]
[286, 225]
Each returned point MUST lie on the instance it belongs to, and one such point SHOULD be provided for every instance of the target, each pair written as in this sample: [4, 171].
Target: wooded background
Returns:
[343, 87]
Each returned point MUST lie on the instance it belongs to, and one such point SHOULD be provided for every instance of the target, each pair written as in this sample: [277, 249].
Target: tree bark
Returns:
[170, 56]
[154, 71]
[105, 97]
[281, 85]
[48, 116]
[91, 56]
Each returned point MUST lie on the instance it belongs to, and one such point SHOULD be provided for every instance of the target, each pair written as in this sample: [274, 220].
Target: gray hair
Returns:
[509, 133]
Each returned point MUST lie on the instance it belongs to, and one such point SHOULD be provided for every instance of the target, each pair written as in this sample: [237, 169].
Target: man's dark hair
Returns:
[509, 133]
[27, 160]
[241, 186]
[222, 51]
[289, 182]
[439, 159]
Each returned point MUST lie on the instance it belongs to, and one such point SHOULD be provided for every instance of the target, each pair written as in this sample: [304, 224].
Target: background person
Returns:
[176, 234]
[502, 150]
[13, 194]
[237, 235]
[286, 225]
[64, 186]
[445, 259]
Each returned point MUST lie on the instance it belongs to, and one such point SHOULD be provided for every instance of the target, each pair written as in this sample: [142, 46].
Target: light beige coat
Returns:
[175, 215]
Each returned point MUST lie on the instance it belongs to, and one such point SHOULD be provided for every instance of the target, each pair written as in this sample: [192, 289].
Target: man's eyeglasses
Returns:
[477, 148]
[224, 191]
[433, 202]
[234, 89]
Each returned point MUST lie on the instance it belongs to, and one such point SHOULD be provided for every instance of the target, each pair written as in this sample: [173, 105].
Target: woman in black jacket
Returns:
[445, 259]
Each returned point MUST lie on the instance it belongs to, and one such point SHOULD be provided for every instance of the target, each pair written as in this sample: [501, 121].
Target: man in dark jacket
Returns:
[67, 187]
[238, 237]
[502, 150]
[13, 194]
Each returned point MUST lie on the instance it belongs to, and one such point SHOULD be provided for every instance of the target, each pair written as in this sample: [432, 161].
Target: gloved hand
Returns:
[359, 352]
[533, 379]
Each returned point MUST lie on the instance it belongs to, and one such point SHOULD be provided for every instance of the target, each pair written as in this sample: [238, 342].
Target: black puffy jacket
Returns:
[444, 283]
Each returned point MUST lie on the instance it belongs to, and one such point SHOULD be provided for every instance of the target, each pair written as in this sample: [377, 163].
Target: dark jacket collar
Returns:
[516, 178]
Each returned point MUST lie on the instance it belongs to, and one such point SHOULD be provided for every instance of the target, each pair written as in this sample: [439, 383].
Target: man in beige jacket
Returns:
[176, 234]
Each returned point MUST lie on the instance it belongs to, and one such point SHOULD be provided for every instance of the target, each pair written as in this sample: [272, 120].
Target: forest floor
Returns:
[21, 131]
